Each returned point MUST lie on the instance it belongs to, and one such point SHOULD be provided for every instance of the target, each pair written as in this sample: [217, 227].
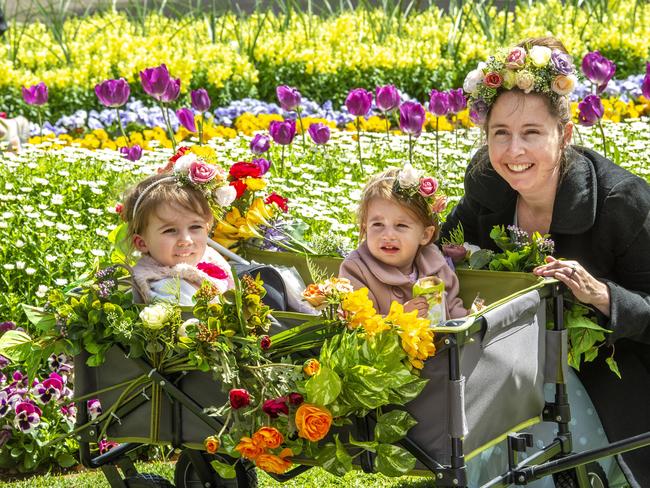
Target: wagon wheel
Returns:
[147, 480]
[186, 474]
[595, 474]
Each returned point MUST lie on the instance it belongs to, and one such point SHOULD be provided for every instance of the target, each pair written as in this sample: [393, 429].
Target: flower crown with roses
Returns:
[536, 69]
[412, 184]
[189, 169]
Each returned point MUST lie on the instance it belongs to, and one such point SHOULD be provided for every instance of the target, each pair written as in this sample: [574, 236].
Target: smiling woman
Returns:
[597, 213]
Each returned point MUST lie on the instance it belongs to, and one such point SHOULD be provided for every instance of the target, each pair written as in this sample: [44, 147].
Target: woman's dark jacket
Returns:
[601, 218]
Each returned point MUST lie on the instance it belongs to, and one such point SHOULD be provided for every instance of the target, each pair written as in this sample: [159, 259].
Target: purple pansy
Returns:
[28, 416]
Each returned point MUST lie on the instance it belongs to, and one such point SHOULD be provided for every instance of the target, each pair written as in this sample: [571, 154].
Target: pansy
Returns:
[94, 408]
[50, 389]
[28, 416]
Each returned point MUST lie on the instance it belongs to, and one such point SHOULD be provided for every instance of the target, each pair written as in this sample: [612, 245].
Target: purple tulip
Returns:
[457, 100]
[645, 86]
[113, 93]
[260, 144]
[320, 133]
[289, 97]
[172, 91]
[387, 98]
[155, 80]
[439, 103]
[262, 164]
[200, 100]
[36, 94]
[132, 153]
[28, 416]
[562, 62]
[186, 118]
[590, 110]
[478, 111]
[358, 102]
[283, 132]
[598, 69]
[411, 118]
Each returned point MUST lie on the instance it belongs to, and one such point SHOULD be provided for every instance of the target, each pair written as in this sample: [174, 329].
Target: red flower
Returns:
[3, 115]
[244, 170]
[278, 200]
[295, 398]
[170, 163]
[239, 398]
[265, 342]
[240, 186]
[273, 408]
[118, 208]
[212, 270]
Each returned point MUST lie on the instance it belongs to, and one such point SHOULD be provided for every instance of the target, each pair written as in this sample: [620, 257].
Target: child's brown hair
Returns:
[382, 185]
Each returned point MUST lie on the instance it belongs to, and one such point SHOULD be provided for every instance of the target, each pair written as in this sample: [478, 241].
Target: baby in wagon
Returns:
[398, 223]
[169, 216]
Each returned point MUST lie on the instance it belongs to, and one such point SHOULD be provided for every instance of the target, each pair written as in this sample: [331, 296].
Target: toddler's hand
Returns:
[418, 303]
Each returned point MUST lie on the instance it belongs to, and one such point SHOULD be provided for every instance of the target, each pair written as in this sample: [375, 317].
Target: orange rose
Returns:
[314, 295]
[269, 437]
[212, 444]
[248, 448]
[274, 464]
[311, 367]
[313, 422]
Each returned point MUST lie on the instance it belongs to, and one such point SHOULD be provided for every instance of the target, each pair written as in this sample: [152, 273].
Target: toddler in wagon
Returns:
[169, 216]
[398, 223]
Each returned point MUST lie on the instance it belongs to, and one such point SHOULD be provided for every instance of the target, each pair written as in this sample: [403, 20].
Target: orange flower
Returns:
[212, 444]
[248, 448]
[315, 296]
[274, 464]
[313, 422]
[269, 437]
[311, 367]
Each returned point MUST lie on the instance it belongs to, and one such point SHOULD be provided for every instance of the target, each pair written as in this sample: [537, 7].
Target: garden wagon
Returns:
[486, 385]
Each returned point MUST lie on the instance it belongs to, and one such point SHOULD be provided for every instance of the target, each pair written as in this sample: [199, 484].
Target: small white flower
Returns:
[63, 227]
[9, 267]
[57, 199]
[101, 232]
[78, 264]
[50, 259]
[63, 237]
[30, 271]
[60, 282]
[42, 291]
[19, 243]
[20, 264]
[97, 252]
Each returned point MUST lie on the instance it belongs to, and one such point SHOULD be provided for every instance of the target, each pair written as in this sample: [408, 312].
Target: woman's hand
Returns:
[583, 285]
[418, 303]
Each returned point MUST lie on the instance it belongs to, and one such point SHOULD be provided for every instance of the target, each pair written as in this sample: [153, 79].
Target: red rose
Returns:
[273, 408]
[240, 186]
[244, 170]
[278, 200]
[456, 252]
[265, 343]
[239, 398]
[493, 80]
[295, 398]
[428, 186]
[212, 270]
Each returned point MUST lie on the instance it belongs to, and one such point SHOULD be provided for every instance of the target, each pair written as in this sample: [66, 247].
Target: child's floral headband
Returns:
[537, 68]
[188, 168]
[411, 183]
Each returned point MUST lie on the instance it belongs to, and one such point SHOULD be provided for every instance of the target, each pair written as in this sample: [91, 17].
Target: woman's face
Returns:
[524, 143]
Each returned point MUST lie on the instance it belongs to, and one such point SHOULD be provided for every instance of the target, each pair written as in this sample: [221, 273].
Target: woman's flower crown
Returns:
[531, 69]
[412, 183]
[188, 168]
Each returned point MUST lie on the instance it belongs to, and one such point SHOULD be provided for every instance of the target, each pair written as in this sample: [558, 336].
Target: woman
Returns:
[597, 213]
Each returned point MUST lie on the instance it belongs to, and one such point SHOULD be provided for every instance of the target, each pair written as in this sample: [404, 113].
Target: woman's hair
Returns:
[149, 195]
[558, 106]
[381, 186]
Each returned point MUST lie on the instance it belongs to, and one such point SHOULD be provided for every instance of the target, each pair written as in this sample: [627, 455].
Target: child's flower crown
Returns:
[411, 183]
[534, 68]
[187, 168]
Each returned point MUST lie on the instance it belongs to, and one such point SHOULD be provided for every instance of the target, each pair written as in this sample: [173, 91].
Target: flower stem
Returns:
[359, 144]
[387, 127]
[119, 120]
[302, 127]
[410, 148]
[282, 163]
[40, 122]
[437, 151]
[602, 134]
[201, 130]
[169, 125]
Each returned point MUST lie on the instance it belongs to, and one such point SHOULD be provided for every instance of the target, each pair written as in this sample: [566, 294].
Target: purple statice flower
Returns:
[105, 272]
[274, 235]
[28, 416]
[5, 326]
[105, 288]
[519, 237]
[546, 246]
[50, 389]
[94, 408]
[6, 431]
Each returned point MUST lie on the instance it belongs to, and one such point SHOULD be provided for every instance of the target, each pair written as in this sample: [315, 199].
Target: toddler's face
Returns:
[394, 235]
[174, 235]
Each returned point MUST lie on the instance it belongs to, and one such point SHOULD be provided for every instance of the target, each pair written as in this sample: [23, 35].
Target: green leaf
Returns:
[409, 391]
[226, 471]
[326, 459]
[393, 460]
[481, 258]
[43, 320]
[368, 446]
[611, 362]
[342, 454]
[66, 460]
[393, 426]
[95, 360]
[323, 388]
[15, 340]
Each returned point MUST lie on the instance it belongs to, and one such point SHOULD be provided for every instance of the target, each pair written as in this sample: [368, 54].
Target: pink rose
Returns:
[516, 58]
[201, 172]
[493, 80]
[428, 186]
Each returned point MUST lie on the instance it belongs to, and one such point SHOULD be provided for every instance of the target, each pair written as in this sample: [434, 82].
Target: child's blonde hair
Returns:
[150, 194]
[381, 186]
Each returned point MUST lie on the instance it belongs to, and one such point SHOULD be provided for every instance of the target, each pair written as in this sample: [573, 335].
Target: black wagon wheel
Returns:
[148, 480]
[595, 474]
[186, 473]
